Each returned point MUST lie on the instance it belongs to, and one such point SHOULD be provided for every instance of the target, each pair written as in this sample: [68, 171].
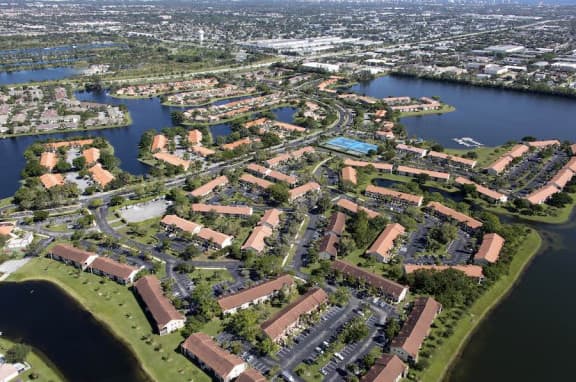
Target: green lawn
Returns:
[211, 276]
[443, 110]
[485, 155]
[148, 229]
[40, 367]
[550, 215]
[116, 306]
[446, 353]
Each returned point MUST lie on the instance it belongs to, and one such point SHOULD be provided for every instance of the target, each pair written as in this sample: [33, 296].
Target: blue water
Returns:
[490, 116]
[48, 74]
[348, 144]
[285, 114]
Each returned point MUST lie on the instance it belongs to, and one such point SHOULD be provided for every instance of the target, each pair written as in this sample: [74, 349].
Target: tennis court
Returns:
[350, 146]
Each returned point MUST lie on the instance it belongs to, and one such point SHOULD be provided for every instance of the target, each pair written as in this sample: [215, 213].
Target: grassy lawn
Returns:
[116, 306]
[147, 228]
[550, 215]
[485, 155]
[292, 251]
[211, 276]
[40, 367]
[446, 353]
[58, 228]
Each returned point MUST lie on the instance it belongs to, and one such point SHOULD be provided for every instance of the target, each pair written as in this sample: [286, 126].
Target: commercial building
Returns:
[223, 365]
[166, 318]
[391, 290]
[255, 295]
[406, 345]
[279, 327]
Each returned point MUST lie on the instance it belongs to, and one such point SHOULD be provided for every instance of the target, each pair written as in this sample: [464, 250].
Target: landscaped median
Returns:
[116, 307]
[41, 370]
[445, 354]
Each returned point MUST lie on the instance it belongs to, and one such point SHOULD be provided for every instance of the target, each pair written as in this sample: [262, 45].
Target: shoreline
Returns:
[80, 301]
[127, 123]
[39, 362]
[481, 309]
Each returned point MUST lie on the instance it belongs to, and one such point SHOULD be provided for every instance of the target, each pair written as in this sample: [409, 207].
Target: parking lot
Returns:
[145, 211]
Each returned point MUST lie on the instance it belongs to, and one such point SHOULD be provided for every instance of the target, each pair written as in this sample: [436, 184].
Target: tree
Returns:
[40, 215]
[279, 193]
[392, 328]
[355, 331]
[560, 199]
[96, 203]
[205, 304]
[177, 117]
[359, 228]
[17, 353]
[116, 200]
[340, 297]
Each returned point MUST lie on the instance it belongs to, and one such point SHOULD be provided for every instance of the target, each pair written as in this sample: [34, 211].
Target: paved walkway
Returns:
[11, 266]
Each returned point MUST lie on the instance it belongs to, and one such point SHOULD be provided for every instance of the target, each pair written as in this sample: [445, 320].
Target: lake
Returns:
[534, 326]
[490, 116]
[40, 314]
[48, 74]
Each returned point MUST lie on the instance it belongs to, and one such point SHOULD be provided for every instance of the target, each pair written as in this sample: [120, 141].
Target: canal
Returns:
[41, 314]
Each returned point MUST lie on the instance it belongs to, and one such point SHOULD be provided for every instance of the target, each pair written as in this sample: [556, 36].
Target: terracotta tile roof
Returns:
[337, 223]
[249, 178]
[277, 325]
[159, 143]
[495, 195]
[220, 209]
[571, 164]
[51, 180]
[256, 239]
[289, 155]
[215, 237]
[349, 175]
[238, 143]
[271, 217]
[288, 127]
[221, 362]
[49, 159]
[195, 137]
[183, 224]
[504, 161]
[302, 190]
[562, 178]
[277, 175]
[91, 155]
[387, 192]
[112, 267]
[573, 149]
[256, 122]
[173, 160]
[80, 142]
[540, 144]
[412, 149]
[456, 215]
[389, 368]
[101, 175]
[385, 241]
[255, 293]
[474, 271]
[376, 165]
[518, 150]
[389, 287]
[71, 253]
[161, 309]
[417, 326]
[251, 375]
[6, 228]
[540, 195]
[329, 244]
[353, 207]
[489, 251]
[203, 151]
[416, 171]
[210, 186]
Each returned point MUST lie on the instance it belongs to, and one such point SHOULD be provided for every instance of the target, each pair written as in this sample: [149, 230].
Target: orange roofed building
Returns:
[393, 196]
[92, 155]
[159, 143]
[382, 246]
[49, 160]
[51, 180]
[466, 222]
[195, 137]
[254, 295]
[490, 249]
[279, 327]
[212, 358]
[388, 368]
[304, 189]
[173, 160]
[473, 271]
[349, 205]
[210, 186]
[166, 317]
[100, 175]
[349, 175]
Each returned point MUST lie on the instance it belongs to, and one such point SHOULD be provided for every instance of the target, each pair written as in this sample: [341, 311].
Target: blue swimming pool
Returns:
[350, 145]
